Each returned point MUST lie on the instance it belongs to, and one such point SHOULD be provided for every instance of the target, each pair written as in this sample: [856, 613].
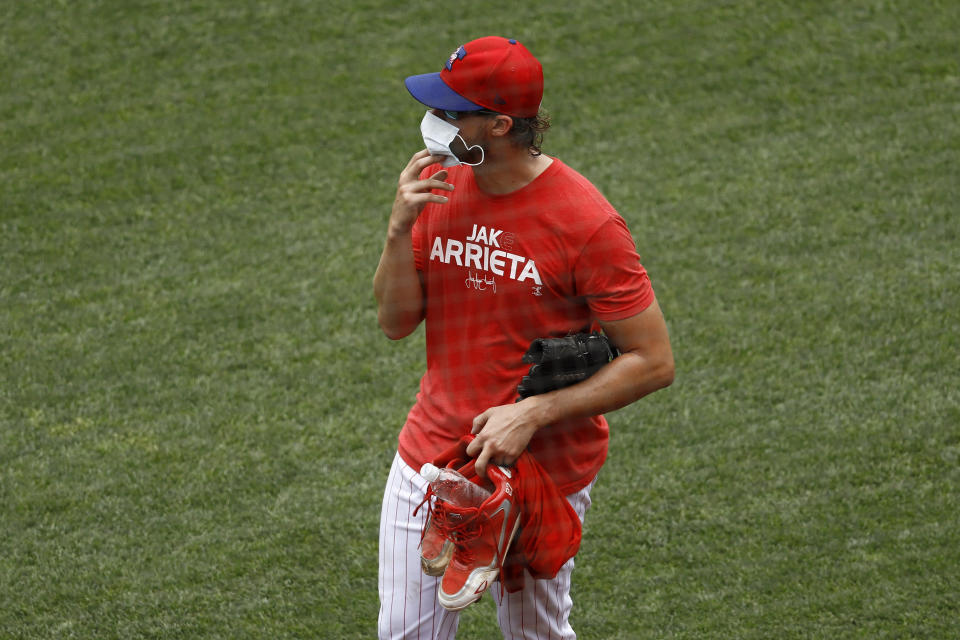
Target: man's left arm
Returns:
[644, 366]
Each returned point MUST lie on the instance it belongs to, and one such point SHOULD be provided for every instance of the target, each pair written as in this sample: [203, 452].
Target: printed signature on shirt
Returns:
[480, 282]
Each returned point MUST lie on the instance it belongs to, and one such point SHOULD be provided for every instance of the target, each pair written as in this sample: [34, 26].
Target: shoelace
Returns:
[460, 527]
[462, 533]
[430, 511]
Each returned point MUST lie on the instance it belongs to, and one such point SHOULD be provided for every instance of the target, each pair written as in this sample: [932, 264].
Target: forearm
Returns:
[396, 284]
[646, 365]
[397, 287]
[624, 381]
[503, 432]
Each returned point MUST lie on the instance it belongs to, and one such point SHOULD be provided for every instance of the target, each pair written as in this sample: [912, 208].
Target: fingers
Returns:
[413, 194]
[480, 466]
[478, 423]
[479, 448]
[411, 187]
[435, 182]
[488, 456]
[486, 448]
[420, 161]
[418, 193]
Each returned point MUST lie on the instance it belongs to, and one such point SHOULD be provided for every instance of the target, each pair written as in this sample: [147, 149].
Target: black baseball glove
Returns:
[561, 362]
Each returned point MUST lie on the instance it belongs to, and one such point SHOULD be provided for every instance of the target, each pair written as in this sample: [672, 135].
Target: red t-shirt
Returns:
[546, 260]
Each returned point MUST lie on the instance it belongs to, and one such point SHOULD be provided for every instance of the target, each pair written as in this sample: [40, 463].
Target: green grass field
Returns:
[198, 411]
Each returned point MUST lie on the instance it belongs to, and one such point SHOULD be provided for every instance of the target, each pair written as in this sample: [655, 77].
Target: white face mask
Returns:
[438, 134]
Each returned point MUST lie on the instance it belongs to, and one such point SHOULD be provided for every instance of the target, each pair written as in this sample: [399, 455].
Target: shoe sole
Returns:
[436, 566]
[457, 601]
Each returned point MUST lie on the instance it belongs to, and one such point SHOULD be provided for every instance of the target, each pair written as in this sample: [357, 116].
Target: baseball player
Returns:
[493, 244]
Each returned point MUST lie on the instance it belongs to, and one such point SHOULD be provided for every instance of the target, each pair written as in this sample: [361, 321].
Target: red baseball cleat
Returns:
[481, 537]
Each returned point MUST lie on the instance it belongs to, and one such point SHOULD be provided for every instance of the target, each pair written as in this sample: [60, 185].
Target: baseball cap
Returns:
[493, 73]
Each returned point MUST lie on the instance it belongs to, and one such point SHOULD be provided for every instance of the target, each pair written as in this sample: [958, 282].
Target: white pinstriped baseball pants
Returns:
[408, 598]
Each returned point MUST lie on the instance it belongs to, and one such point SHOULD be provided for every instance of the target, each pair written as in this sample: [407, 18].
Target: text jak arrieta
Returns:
[481, 251]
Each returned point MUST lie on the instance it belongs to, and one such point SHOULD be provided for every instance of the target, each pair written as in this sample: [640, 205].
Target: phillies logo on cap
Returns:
[459, 54]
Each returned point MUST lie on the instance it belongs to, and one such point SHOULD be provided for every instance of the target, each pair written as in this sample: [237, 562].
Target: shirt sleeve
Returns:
[609, 274]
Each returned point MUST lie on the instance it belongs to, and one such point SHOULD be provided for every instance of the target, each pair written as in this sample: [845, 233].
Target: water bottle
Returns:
[451, 486]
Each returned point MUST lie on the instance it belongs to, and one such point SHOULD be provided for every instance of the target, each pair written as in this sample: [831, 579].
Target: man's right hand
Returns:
[413, 194]
[397, 284]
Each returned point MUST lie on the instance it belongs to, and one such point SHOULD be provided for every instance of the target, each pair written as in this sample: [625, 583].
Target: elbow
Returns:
[662, 373]
[393, 333]
[654, 374]
[666, 372]
[394, 329]
[666, 375]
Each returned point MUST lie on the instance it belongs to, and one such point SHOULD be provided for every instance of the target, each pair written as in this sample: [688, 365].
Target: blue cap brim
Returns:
[429, 89]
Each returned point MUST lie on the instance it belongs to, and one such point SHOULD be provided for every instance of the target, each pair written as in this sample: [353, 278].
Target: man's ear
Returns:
[501, 125]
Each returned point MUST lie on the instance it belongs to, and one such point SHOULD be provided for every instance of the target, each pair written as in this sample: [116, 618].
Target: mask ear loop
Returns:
[483, 155]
